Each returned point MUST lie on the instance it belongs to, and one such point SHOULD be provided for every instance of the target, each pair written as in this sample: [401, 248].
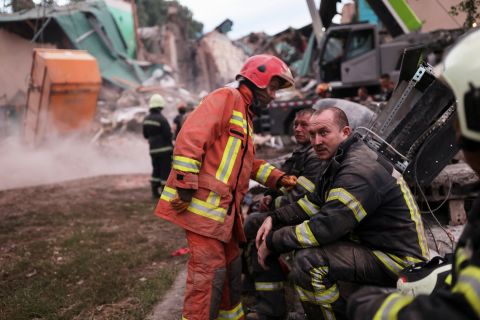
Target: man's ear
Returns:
[346, 130]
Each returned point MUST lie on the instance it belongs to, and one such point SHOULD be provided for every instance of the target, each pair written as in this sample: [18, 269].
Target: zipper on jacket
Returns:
[229, 211]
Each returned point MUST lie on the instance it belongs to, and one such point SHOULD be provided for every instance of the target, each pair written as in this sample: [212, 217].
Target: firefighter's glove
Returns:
[182, 200]
[288, 182]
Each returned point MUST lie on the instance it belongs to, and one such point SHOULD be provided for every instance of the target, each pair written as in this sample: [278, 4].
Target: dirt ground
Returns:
[88, 248]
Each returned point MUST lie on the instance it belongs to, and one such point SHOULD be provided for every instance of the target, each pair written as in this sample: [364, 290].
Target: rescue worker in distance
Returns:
[305, 165]
[213, 161]
[361, 224]
[462, 73]
[158, 132]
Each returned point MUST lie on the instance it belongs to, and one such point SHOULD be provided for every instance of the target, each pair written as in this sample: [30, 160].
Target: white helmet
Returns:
[461, 71]
[156, 101]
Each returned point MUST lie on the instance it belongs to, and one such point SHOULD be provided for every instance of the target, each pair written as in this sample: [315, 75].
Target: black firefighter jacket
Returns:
[460, 301]
[158, 132]
[359, 196]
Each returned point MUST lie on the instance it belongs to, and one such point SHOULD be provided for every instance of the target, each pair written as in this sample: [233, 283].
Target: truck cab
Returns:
[352, 55]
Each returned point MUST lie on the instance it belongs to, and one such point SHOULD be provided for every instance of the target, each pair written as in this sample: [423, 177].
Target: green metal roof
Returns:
[91, 26]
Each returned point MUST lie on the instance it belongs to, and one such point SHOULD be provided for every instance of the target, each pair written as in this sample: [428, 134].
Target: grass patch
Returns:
[104, 260]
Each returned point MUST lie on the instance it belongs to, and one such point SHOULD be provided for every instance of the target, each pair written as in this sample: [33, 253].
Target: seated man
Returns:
[305, 165]
[461, 301]
[361, 223]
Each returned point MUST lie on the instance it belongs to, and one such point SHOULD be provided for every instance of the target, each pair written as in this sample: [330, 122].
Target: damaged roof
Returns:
[104, 29]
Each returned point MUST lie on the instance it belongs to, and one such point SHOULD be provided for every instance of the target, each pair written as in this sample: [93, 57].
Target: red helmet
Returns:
[260, 70]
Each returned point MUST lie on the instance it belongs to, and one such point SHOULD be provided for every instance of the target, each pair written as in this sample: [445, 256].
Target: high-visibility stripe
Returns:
[186, 164]
[155, 179]
[269, 286]
[328, 313]
[207, 210]
[228, 159]
[317, 275]
[283, 190]
[324, 298]
[305, 236]
[468, 284]
[415, 215]
[233, 314]
[264, 172]
[197, 206]
[278, 202]
[168, 194]
[306, 184]
[309, 207]
[348, 200]
[391, 306]
[238, 120]
[391, 264]
[448, 280]
[152, 123]
[160, 150]
[460, 257]
[213, 198]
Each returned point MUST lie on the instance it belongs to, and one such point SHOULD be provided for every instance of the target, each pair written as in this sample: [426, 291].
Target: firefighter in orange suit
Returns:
[213, 161]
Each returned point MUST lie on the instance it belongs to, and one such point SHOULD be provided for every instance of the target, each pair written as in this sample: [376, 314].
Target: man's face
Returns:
[265, 96]
[300, 128]
[325, 135]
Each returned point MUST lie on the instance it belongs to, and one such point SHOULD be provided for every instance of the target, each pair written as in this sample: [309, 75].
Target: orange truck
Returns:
[62, 95]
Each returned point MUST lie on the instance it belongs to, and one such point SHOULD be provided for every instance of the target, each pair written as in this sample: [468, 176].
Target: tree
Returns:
[155, 12]
[470, 8]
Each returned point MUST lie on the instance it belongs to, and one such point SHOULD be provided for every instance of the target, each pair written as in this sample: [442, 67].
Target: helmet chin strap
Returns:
[255, 107]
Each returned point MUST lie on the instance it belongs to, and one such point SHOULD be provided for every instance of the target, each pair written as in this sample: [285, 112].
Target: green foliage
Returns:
[470, 8]
[155, 12]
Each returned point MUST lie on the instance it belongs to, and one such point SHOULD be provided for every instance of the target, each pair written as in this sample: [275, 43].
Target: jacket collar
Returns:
[342, 151]
[247, 96]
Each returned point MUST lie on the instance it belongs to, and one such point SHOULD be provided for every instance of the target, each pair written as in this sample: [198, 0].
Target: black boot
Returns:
[155, 189]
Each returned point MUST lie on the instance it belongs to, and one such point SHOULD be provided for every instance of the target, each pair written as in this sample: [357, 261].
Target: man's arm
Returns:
[199, 131]
[347, 203]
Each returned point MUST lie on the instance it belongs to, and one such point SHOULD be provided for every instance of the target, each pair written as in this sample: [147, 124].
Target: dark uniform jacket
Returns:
[158, 132]
[359, 196]
[305, 165]
[461, 301]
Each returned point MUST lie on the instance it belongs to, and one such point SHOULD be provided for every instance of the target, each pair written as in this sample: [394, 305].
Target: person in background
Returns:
[462, 299]
[386, 87]
[213, 161]
[180, 117]
[157, 131]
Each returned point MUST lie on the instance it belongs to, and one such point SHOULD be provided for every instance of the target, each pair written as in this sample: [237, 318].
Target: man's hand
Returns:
[262, 233]
[178, 204]
[288, 182]
[265, 203]
[263, 253]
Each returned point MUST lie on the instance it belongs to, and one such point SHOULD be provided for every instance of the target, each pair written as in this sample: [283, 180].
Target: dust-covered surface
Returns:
[84, 249]
[70, 158]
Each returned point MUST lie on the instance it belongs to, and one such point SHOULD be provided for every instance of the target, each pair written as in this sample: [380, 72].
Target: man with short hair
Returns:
[460, 301]
[361, 224]
[305, 165]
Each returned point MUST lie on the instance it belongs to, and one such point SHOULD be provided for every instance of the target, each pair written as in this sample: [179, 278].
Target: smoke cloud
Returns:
[70, 158]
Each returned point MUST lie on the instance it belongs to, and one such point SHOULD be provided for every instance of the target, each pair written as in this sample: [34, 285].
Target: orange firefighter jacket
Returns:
[214, 155]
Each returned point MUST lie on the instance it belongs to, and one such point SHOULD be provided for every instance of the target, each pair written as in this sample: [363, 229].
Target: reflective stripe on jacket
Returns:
[214, 155]
[362, 196]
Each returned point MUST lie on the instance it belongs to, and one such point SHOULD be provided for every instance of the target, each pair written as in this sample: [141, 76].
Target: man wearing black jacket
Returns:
[462, 299]
[158, 132]
[361, 223]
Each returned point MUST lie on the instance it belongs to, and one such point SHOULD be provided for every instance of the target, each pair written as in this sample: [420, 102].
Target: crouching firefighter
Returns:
[158, 132]
[462, 300]
[213, 160]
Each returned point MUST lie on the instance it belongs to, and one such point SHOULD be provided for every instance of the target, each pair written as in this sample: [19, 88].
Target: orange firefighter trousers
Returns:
[213, 279]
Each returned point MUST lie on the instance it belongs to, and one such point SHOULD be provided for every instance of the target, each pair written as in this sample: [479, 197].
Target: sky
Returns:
[250, 15]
